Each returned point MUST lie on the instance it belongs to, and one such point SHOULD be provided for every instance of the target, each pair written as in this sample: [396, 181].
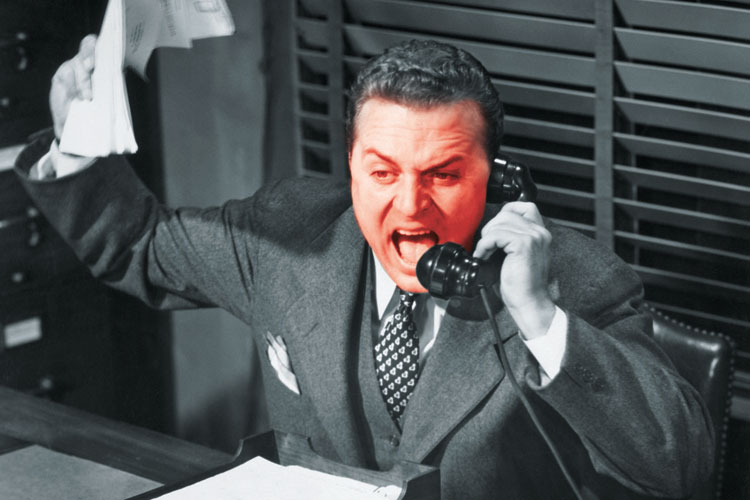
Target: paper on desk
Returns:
[130, 32]
[259, 478]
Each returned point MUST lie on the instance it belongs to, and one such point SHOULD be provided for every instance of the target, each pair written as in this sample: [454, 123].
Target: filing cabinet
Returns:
[54, 323]
[35, 37]
[63, 335]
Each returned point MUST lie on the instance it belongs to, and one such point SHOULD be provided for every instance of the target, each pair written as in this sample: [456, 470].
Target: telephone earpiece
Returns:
[509, 180]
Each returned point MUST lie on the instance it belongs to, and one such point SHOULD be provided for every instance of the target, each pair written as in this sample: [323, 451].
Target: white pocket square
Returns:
[279, 359]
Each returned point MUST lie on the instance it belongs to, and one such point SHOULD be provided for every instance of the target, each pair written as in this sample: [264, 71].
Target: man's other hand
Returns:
[72, 81]
[518, 229]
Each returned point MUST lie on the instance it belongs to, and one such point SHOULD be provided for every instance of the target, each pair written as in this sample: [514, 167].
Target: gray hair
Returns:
[427, 73]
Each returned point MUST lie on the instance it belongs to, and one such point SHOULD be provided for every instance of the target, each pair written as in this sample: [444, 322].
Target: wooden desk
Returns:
[142, 452]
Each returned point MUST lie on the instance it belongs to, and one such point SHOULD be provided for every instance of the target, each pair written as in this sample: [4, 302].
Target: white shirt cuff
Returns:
[550, 348]
[56, 164]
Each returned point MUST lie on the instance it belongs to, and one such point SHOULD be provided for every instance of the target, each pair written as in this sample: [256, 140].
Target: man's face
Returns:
[418, 178]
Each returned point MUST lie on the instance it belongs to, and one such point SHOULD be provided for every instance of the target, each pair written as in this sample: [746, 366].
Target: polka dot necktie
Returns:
[397, 357]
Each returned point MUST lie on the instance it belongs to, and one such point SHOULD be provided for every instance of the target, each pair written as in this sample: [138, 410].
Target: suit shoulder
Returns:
[300, 206]
[300, 199]
[586, 271]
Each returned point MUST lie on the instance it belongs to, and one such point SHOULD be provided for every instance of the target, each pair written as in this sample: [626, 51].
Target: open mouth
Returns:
[410, 245]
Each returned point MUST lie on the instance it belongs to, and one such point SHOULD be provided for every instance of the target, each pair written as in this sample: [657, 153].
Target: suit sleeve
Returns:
[168, 258]
[639, 420]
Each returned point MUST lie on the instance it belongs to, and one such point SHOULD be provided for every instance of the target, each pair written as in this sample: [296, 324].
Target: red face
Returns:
[419, 178]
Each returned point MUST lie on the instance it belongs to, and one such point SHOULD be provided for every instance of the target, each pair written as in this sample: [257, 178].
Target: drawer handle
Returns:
[14, 39]
[6, 103]
[31, 219]
[22, 61]
[31, 214]
[19, 277]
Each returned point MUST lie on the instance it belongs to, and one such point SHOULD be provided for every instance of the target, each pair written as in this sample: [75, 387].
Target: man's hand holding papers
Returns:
[89, 99]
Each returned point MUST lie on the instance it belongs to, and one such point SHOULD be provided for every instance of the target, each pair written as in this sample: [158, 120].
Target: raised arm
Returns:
[116, 226]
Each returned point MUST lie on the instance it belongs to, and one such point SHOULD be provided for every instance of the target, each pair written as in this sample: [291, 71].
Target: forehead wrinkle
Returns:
[390, 145]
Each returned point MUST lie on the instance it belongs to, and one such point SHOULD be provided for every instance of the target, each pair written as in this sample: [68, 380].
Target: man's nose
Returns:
[412, 198]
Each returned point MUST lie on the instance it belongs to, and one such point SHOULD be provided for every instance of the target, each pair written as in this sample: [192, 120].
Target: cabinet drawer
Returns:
[33, 254]
[42, 18]
[26, 69]
[66, 352]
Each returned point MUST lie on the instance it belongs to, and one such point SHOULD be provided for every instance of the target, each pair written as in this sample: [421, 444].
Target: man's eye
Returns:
[382, 174]
[444, 176]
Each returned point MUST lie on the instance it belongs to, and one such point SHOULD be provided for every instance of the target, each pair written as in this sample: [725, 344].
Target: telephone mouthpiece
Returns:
[449, 271]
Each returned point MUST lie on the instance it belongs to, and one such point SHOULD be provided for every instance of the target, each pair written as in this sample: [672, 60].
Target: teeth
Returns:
[413, 233]
[412, 244]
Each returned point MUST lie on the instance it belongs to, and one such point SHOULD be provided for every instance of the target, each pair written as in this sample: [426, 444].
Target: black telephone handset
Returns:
[448, 270]
[509, 181]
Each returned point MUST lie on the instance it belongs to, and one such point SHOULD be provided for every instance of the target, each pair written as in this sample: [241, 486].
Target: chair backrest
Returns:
[706, 360]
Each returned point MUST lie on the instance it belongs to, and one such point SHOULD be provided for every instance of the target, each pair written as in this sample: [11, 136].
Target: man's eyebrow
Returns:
[388, 159]
[380, 155]
[446, 163]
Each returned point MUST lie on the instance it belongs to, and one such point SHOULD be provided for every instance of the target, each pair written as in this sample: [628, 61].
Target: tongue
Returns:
[411, 248]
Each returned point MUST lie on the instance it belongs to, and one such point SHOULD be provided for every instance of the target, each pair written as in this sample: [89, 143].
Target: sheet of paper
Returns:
[208, 18]
[130, 32]
[259, 478]
[143, 23]
[174, 31]
[102, 125]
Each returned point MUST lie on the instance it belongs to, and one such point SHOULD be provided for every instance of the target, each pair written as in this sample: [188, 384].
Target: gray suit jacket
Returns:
[291, 261]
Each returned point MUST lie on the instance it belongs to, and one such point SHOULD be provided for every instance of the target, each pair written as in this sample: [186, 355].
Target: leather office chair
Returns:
[706, 360]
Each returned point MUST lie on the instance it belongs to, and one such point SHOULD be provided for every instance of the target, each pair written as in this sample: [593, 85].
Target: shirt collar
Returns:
[384, 287]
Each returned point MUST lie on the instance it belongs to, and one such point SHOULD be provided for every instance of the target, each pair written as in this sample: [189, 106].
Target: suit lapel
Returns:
[460, 372]
[322, 347]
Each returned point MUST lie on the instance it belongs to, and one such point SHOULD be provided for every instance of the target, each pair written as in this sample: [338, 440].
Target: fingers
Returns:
[517, 228]
[83, 67]
[73, 77]
[87, 47]
[525, 209]
[72, 80]
[512, 240]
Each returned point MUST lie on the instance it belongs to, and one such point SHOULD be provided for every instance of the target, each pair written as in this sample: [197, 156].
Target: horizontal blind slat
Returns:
[702, 188]
[498, 59]
[679, 248]
[545, 97]
[712, 20]
[549, 162]
[685, 85]
[576, 9]
[685, 152]
[565, 197]
[549, 131]
[682, 50]
[686, 219]
[475, 23]
[687, 283]
[685, 118]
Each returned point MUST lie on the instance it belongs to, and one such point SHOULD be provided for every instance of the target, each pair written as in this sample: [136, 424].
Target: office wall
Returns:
[212, 111]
